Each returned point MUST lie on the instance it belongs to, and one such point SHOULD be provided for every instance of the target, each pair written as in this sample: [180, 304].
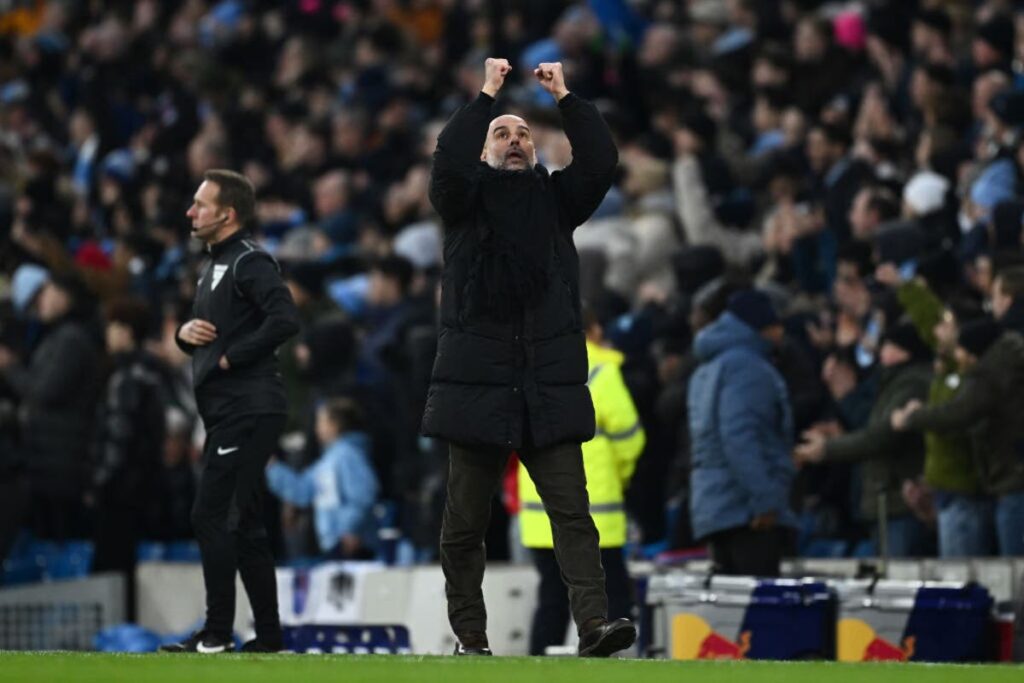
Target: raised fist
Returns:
[495, 71]
[551, 78]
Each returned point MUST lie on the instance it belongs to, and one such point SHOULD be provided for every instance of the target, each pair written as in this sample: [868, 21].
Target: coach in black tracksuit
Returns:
[242, 313]
[511, 366]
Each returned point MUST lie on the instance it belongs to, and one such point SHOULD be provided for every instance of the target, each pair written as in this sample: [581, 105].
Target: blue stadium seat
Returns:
[20, 569]
[71, 560]
[865, 548]
[825, 547]
[150, 551]
[182, 551]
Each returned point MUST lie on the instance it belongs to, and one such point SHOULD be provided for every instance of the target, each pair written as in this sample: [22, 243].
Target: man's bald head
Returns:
[509, 144]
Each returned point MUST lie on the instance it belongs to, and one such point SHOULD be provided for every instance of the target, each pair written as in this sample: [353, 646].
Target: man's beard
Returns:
[521, 157]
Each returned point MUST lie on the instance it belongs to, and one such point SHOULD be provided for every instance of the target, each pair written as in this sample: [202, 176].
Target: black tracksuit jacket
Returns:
[240, 291]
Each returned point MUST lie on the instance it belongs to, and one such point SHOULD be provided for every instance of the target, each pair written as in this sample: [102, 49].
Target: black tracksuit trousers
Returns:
[229, 525]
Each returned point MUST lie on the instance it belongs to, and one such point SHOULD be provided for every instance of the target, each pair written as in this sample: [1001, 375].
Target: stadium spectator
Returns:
[986, 407]
[57, 387]
[1008, 299]
[889, 458]
[964, 514]
[129, 445]
[741, 427]
[340, 486]
[109, 112]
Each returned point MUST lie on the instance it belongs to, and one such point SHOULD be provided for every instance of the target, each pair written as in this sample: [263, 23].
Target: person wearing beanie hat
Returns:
[56, 389]
[754, 308]
[904, 335]
[742, 429]
[850, 31]
[987, 408]
[925, 193]
[976, 338]
[963, 518]
[887, 458]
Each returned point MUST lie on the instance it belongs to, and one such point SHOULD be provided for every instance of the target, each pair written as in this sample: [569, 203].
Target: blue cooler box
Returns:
[696, 617]
[914, 621]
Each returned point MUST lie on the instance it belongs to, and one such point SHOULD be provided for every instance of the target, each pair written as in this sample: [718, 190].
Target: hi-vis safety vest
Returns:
[608, 459]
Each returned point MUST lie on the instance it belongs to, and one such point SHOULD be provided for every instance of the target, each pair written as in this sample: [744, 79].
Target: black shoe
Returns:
[202, 642]
[472, 644]
[256, 646]
[607, 638]
[461, 651]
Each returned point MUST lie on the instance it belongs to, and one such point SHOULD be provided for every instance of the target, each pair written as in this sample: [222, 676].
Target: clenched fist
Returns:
[197, 332]
[495, 71]
[551, 78]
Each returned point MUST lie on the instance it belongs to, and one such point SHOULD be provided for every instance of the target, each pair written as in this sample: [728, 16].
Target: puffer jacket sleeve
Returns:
[455, 170]
[584, 183]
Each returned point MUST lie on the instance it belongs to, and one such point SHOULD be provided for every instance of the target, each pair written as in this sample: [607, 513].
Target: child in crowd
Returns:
[341, 486]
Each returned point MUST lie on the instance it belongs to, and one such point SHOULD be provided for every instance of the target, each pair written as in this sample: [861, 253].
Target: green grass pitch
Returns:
[17, 667]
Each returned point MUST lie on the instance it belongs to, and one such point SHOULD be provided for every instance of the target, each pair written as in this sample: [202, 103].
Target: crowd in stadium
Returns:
[858, 163]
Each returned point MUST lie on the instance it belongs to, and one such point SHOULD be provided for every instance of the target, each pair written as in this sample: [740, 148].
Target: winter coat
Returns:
[130, 431]
[741, 431]
[989, 406]
[889, 457]
[58, 393]
[493, 377]
[948, 464]
[341, 487]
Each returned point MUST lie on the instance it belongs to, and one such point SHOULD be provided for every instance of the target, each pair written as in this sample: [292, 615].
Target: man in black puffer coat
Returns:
[511, 367]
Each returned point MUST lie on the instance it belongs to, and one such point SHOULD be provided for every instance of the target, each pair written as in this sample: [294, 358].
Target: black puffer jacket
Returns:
[499, 381]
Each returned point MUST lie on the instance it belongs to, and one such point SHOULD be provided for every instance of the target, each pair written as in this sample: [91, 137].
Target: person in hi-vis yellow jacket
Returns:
[608, 460]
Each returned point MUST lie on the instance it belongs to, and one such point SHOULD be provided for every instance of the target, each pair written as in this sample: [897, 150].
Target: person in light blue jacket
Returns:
[341, 486]
[741, 429]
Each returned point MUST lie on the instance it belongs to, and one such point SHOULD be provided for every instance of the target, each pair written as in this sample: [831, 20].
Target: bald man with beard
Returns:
[511, 367]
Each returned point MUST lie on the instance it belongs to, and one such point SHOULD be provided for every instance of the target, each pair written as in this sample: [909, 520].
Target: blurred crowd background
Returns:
[859, 162]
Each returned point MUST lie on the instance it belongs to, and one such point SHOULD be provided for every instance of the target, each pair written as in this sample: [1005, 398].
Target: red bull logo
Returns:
[858, 642]
[693, 638]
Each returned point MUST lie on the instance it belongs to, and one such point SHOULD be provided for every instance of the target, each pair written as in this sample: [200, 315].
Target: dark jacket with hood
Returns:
[511, 364]
[990, 407]
[741, 431]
